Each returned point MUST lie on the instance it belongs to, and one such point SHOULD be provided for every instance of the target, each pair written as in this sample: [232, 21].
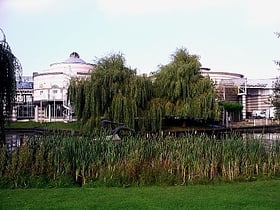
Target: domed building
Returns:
[50, 88]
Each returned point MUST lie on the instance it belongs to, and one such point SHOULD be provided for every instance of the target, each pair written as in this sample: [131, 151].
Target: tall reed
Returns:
[139, 161]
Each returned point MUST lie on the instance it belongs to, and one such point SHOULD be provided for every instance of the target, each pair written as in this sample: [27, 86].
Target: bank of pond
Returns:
[57, 160]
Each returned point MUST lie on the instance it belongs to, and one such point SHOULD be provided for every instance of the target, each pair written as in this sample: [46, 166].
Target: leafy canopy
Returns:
[9, 69]
[232, 106]
[276, 97]
[183, 90]
[115, 92]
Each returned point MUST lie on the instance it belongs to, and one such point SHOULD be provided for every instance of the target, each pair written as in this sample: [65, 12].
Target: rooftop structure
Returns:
[217, 77]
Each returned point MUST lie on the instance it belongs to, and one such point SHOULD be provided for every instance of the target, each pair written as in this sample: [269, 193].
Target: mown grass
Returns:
[51, 125]
[237, 195]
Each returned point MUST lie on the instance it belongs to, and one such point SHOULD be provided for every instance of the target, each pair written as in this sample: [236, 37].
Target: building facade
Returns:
[255, 95]
[50, 88]
[43, 97]
[24, 106]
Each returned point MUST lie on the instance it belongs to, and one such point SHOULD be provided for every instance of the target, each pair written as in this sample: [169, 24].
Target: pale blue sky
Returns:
[229, 35]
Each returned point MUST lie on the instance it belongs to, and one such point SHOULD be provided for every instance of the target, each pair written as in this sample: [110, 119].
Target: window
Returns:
[28, 98]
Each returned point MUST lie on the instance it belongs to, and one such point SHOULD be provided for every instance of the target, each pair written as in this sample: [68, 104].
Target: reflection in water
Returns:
[267, 136]
[263, 136]
[13, 141]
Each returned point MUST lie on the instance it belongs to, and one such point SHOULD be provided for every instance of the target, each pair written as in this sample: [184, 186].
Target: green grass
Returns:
[238, 195]
[51, 125]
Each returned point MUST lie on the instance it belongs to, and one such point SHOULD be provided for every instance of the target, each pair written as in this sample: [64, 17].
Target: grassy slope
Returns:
[249, 195]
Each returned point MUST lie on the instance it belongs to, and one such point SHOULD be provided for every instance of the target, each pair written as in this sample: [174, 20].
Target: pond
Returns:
[268, 138]
[16, 139]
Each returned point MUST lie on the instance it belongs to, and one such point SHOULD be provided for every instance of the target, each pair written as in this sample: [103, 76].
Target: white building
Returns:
[50, 91]
[255, 95]
[24, 108]
[217, 77]
[50, 88]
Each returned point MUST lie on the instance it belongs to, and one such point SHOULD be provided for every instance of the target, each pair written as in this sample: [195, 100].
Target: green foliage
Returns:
[276, 98]
[232, 106]
[50, 125]
[9, 69]
[115, 91]
[57, 160]
[246, 195]
[185, 92]
[276, 90]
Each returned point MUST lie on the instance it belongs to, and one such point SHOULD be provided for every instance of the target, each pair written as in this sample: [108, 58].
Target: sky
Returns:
[234, 36]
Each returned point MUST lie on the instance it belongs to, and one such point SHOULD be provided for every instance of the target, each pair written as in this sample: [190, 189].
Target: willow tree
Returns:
[276, 89]
[276, 97]
[9, 69]
[182, 91]
[113, 91]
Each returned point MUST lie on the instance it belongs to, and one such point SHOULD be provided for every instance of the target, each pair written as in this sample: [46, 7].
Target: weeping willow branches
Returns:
[9, 69]
[185, 91]
[115, 91]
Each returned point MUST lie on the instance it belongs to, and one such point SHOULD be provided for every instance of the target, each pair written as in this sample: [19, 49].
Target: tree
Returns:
[276, 98]
[115, 92]
[183, 91]
[276, 90]
[230, 108]
[10, 68]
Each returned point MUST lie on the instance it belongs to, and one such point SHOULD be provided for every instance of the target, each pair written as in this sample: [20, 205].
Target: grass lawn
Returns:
[52, 125]
[241, 195]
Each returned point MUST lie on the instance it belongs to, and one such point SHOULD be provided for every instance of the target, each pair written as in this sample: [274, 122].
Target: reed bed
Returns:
[58, 161]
